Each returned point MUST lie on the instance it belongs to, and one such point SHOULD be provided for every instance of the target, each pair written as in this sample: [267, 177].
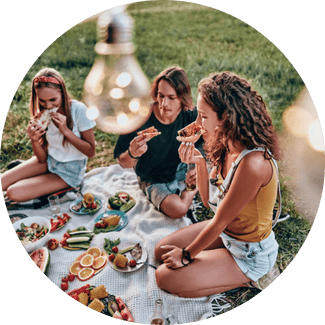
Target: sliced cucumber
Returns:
[127, 206]
[80, 232]
[77, 239]
[80, 245]
[127, 249]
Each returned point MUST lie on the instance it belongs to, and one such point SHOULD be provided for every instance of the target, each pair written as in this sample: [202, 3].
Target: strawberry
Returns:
[94, 206]
[111, 257]
[66, 235]
[64, 279]
[115, 249]
[98, 225]
[71, 277]
[64, 286]
[132, 263]
[63, 242]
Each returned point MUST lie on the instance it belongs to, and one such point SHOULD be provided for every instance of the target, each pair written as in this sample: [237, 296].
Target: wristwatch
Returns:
[187, 256]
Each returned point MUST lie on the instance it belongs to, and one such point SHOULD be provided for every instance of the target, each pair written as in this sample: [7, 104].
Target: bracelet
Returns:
[131, 155]
[186, 255]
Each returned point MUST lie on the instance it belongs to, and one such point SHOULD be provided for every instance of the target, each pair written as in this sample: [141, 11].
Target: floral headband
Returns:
[46, 79]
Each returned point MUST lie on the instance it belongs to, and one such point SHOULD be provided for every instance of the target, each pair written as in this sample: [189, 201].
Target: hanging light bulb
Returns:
[116, 90]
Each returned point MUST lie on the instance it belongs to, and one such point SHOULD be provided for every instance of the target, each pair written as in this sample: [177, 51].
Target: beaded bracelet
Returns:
[131, 155]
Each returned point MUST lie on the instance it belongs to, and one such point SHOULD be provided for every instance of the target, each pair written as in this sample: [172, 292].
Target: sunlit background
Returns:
[303, 159]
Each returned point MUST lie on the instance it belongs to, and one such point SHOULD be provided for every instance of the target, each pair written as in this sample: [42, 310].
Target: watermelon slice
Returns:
[117, 315]
[126, 315]
[41, 257]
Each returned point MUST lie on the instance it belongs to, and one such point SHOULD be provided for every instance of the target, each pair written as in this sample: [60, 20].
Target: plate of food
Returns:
[59, 222]
[33, 232]
[87, 204]
[113, 220]
[121, 201]
[126, 256]
[97, 298]
[75, 239]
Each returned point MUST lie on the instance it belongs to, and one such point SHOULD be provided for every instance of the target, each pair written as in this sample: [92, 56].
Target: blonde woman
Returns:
[61, 151]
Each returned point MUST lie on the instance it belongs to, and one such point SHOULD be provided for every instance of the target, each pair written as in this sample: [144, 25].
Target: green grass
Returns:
[199, 39]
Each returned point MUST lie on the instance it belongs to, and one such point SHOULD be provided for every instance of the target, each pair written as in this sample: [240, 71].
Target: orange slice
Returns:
[85, 274]
[75, 267]
[99, 262]
[94, 251]
[87, 260]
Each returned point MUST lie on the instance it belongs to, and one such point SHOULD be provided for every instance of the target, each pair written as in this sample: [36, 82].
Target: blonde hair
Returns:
[34, 105]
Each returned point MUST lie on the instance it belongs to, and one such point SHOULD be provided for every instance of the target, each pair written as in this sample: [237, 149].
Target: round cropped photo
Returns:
[162, 162]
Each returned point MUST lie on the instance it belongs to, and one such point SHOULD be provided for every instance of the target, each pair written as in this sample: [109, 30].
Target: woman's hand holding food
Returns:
[60, 121]
[188, 153]
[34, 131]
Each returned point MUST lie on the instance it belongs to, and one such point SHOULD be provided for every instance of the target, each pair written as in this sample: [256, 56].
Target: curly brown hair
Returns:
[243, 116]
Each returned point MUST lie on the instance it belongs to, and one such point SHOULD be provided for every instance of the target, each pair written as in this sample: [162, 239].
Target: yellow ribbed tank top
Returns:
[254, 222]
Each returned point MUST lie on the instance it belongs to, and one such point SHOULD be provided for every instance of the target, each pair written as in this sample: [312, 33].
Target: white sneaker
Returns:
[265, 280]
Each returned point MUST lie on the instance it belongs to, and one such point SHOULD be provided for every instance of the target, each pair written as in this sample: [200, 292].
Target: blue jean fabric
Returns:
[254, 259]
[158, 192]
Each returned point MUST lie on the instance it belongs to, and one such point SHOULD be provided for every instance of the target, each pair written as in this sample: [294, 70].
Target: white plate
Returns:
[127, 269]
[27, 222]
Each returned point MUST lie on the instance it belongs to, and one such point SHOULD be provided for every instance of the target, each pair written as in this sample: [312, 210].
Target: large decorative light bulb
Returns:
[116, 90]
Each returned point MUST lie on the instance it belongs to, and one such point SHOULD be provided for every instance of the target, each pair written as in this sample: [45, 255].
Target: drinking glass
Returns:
[55, 207]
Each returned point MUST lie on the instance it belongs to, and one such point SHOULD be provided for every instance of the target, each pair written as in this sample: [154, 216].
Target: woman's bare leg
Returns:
[211, 272]
[29, 180]
[33, 187]
[29, 168]
[183, 237]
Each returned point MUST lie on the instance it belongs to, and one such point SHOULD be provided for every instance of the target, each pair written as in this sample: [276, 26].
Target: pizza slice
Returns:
[149, 133]
[43, 118]
[191, 133]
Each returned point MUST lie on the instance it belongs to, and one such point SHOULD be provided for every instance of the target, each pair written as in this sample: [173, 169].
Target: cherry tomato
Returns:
[64, 286]
[71, 277]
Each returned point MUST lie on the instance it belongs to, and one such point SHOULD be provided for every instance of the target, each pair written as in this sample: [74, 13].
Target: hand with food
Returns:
[34, 131]
[138, 146]
[189, 154]
[60, 122]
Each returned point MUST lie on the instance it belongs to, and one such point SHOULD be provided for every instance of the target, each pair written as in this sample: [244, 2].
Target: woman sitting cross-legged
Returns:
[237, 247]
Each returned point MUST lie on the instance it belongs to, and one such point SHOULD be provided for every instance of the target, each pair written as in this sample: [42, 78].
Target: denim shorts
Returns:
[158, 192]
[72, 172]
[254, 259]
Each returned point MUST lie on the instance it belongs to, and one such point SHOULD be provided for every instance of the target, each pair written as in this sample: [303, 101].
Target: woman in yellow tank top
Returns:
[238, 245]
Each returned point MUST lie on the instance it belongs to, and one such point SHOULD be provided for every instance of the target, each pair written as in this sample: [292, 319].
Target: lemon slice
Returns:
[87, 260]
[99, 262]
[94, 251]
[75, 268]
[85, 274]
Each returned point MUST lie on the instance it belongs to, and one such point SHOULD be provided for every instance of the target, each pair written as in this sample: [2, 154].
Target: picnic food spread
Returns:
[88, 264]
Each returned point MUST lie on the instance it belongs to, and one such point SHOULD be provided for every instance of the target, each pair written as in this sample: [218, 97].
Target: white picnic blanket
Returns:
[146, 225]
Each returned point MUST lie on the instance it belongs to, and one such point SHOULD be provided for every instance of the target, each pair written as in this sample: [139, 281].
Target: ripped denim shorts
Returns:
[254, 259]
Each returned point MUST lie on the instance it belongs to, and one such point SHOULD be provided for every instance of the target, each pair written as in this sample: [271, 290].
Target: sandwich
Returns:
[191, 133]
[149, 133]
[43, 118]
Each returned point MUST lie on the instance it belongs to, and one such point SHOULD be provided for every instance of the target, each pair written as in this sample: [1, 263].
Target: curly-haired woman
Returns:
[237, 247]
